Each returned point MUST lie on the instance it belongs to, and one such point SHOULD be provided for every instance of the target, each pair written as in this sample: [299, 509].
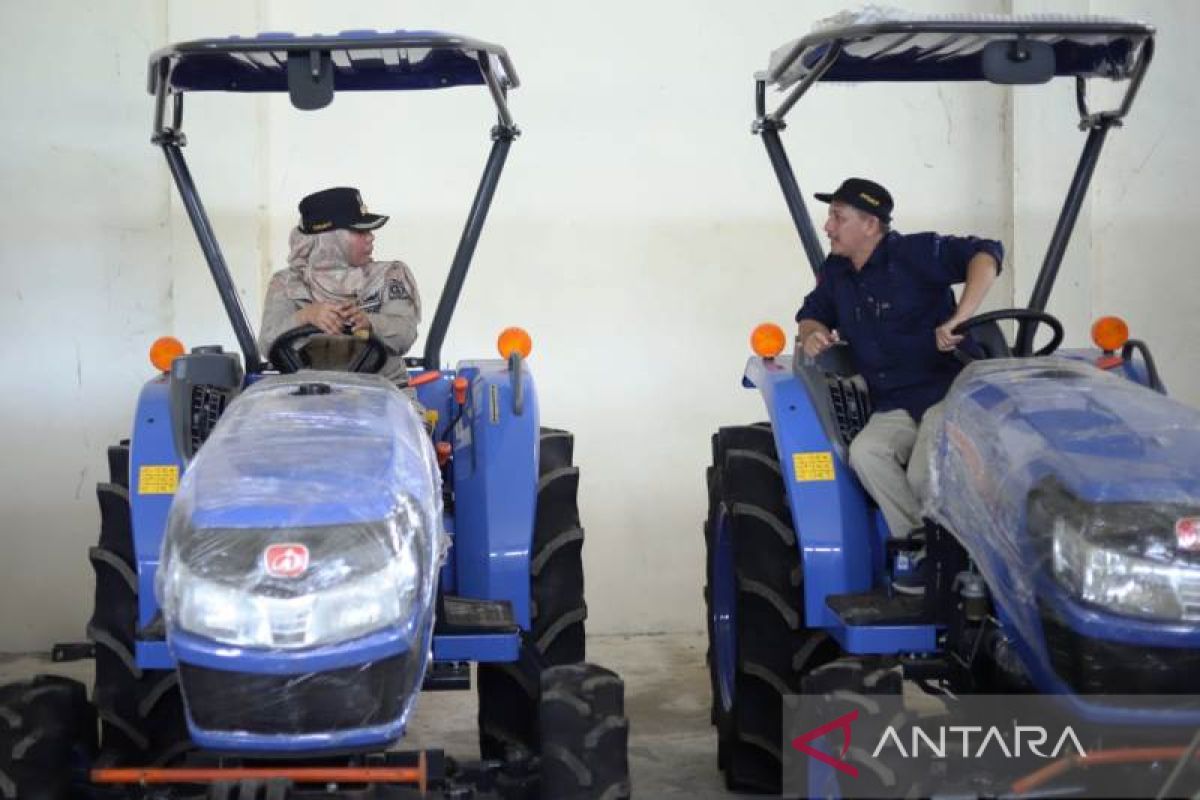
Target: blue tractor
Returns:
[288, 556]
[1062, 548]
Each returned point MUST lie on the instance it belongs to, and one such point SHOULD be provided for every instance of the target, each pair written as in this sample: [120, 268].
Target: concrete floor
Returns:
[672, 746]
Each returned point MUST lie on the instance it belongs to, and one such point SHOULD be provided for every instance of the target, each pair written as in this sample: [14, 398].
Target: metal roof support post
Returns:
[769, 125]
[212, 254]
[792, 195]
[502, 141]
[1065, 225]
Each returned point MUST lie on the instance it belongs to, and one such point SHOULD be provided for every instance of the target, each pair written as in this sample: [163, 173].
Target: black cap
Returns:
[340, 207]
[864, 195]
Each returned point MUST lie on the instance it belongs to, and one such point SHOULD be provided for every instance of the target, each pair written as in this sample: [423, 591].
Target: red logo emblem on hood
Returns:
[1187, 534]
[286, 560]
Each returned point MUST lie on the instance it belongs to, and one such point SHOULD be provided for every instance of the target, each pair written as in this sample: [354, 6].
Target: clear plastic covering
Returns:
[307, 532]
[932, 45]
[1066, 481]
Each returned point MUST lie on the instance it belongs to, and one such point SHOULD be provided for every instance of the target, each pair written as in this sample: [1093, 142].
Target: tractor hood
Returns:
[314, 448]
[1012, 423]
[311, 516]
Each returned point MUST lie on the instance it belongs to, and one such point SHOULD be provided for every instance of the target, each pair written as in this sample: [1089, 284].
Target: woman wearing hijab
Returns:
[332, 283]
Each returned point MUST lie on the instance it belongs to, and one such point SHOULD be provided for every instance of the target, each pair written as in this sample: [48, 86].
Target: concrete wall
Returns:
[638, 234]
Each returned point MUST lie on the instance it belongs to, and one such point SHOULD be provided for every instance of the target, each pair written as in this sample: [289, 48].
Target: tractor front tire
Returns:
[47, 738]
[585, 734]
[509, 693]
[773, 650]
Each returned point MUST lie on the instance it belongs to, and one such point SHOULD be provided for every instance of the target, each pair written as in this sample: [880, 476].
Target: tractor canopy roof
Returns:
[890, 45]
[361, 60]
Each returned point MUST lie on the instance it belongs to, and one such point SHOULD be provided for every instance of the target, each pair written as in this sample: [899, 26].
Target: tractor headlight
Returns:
[1122, 556]
[234, 616]
[295, 588]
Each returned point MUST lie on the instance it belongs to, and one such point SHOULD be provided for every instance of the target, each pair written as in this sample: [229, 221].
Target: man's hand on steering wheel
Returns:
[947, 339]
[1027, 320]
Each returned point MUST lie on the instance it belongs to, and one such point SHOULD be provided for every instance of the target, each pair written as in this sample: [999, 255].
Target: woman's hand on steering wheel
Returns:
[354, 318]
[287, 359]
[325, 316]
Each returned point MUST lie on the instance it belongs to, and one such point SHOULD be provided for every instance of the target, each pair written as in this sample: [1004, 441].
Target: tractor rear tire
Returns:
[47, 738]
[141, 710]
[509, 693]
[585, 734]
[774, 649]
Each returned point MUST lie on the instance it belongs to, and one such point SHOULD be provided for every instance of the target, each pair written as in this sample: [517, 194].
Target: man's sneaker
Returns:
[907, 573]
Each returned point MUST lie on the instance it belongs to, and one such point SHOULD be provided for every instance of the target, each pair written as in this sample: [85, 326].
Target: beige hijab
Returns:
[319, 264]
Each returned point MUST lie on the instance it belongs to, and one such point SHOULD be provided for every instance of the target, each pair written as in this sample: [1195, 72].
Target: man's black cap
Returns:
[864, 195]
[340, 207]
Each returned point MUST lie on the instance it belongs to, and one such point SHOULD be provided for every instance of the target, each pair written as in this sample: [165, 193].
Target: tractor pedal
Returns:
[462, 615]
[447, 676]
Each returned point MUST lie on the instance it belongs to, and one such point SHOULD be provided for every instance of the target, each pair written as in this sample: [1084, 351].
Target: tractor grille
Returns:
[208, 403]
[355, 697]
[851, 405]
[1096, 666]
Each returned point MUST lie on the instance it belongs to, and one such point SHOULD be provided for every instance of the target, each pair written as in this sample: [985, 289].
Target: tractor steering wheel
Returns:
[1023, 316]
[288, 359]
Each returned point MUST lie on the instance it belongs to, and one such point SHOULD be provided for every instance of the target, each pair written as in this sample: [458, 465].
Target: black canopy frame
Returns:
[168, 135]
[827, 49]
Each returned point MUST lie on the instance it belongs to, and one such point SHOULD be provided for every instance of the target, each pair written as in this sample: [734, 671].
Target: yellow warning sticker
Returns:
[158, 479]
[813, 466]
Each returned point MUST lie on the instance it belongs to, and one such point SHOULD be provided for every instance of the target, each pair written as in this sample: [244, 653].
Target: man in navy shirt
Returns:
[887, 297]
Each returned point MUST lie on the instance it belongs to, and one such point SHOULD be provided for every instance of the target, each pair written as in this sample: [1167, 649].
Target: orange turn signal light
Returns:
[165, 350]
[767, 340]
[514, 340]
[1110, 333]
[460, 390]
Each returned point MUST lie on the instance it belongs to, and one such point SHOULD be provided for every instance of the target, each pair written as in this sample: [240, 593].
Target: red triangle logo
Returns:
[843, 722]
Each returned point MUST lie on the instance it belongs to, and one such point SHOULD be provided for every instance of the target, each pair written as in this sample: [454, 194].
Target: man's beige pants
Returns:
[891, 457]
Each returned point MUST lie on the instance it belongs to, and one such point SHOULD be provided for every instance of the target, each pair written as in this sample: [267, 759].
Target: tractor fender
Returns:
[495, 483]
[834, 525]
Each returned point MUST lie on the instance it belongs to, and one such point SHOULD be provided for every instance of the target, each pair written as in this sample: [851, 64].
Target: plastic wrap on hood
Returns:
[1077, 493]
[300, 560]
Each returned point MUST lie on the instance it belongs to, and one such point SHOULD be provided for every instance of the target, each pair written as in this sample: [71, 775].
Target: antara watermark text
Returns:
[1032, 737]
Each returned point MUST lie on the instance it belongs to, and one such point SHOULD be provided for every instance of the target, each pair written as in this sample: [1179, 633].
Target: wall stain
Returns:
[79, 486]
[946, 111]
